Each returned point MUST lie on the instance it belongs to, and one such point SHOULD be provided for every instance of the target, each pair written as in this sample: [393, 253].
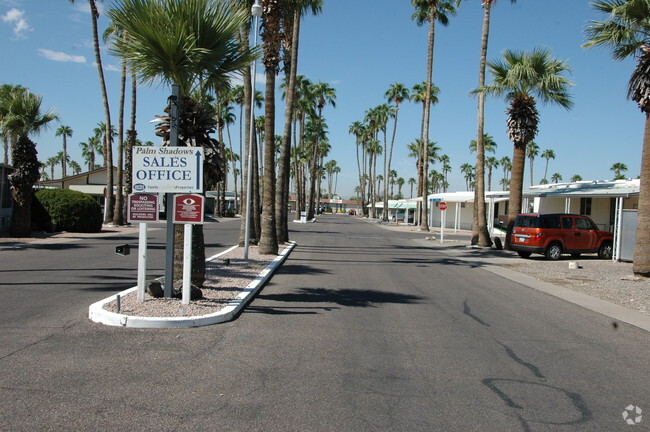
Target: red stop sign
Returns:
[442, 206]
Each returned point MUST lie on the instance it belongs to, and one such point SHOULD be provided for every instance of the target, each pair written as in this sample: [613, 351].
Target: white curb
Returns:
[98, 314]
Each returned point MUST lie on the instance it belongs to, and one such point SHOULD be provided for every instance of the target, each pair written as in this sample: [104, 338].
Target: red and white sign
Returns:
[442, 206]
[188, 209]
[143, 208]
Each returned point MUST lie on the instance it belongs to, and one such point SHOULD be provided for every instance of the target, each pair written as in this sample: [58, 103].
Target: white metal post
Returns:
[618, 228]
[142, 261]
[187, 263]
[442, 225]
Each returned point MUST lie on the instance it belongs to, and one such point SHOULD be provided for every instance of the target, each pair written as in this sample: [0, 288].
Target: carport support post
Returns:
[173, 141]
[142, 261]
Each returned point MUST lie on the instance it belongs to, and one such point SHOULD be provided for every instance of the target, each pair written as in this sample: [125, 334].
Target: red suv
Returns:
[555, 234]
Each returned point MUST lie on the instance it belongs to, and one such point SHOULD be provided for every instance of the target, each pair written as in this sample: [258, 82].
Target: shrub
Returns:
[70, 210]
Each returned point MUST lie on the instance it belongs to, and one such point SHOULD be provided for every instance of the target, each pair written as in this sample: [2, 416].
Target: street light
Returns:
[256, 11]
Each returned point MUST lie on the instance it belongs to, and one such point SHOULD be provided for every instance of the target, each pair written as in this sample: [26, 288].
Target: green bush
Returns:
[69, 210]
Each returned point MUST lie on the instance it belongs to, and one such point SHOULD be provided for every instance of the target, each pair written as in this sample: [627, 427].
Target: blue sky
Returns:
[360, 48]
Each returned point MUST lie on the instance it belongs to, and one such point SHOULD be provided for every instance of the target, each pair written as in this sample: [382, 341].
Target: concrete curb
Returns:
[98, 314]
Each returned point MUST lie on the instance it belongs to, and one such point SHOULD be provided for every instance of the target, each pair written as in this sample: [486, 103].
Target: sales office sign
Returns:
[167, 169]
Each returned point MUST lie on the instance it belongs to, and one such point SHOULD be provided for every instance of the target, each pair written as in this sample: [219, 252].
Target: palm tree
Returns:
[489, 145]
[429, 11]
[291, 15]
[618, 168]
[358, 130]
[411, 181]
[322, 95]
[108, 152]
[446, 169]
[22, 117]
[399, 182]
[556, 178]
[626, 30]
[506, 164]
[519, 77]
[396, 94]
[532, 150]
[192, 44]
[547, 154]
[75, 167]
[480, 234]
[52, 162]
[65, 132]
[490, 163]
[468, 173]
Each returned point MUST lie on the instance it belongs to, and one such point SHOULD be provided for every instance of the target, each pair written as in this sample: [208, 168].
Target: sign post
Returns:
[143, 208]
[169, 170]
[443, 213]
[188, 210]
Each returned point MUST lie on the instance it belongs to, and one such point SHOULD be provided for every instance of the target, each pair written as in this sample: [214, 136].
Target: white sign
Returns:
[168, 169]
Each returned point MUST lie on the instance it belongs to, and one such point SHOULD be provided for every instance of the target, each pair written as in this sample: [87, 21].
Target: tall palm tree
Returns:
[108, 152]
[519, 77]
[430, 11]
[65, 132]
[576, 178]
[358, 130]
[322, 95]
[532, 150]
[490, 163]
[468, 173]
[480, 234]
[396, 93]
[23, 117]
[446, 169]
[506, 164]
[547, 154]
[618, 168]
[291, 15]
[188, 43]
[411, 181]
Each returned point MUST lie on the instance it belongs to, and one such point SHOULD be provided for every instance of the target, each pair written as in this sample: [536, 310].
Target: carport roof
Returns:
[586, 189]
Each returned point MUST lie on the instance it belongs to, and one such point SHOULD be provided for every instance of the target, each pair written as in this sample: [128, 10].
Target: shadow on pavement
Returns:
[343, 297]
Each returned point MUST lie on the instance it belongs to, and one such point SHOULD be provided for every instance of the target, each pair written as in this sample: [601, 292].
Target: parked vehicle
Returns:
[555, 234]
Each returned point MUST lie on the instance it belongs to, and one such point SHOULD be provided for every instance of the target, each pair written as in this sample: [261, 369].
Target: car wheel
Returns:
[553, 252]
[605, 251]
[523, 254]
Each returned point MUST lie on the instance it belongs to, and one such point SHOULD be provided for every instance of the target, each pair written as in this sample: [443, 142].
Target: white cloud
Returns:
[61, 56]
[16, 18]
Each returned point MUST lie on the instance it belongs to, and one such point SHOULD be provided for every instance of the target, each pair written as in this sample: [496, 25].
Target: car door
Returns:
[567, 232]
[585, 234]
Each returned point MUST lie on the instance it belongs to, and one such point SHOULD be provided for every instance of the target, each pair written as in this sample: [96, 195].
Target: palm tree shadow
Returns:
[343, 297]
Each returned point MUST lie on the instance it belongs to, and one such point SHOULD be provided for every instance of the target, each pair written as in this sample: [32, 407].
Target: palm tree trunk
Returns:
[516, 186]
[118, 216]
[424, 223]
[480, 234]
[282, 194]
[268, 244]
[131, 135]
[108, 156]
[641, 264]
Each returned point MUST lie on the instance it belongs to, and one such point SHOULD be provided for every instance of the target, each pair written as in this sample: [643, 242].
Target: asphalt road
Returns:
[361, 329]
